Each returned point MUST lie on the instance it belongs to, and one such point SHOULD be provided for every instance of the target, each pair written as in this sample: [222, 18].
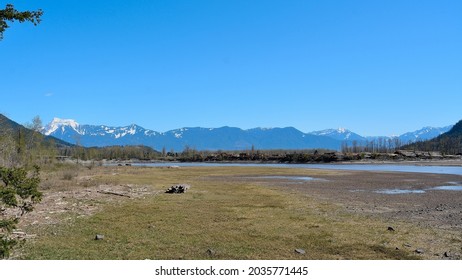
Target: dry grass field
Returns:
[229, 213]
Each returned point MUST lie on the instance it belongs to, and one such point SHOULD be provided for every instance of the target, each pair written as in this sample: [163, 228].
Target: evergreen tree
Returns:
[10, 14]
[19, 191]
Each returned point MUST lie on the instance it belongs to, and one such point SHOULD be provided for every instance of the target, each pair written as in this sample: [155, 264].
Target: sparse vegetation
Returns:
[68, 175]
[235, 218]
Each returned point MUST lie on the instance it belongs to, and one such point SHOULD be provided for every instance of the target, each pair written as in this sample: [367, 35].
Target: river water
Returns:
[454, 170]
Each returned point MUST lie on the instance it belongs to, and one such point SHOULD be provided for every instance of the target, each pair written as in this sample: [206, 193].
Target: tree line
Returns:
[25, 145]
[109, 153]
[376, 145]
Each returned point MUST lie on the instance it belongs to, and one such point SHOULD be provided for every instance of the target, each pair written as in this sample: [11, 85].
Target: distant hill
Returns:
[20, 146]
[456, 131]
[7, 126]
[448, 143]
[13, 129]
[223, 138]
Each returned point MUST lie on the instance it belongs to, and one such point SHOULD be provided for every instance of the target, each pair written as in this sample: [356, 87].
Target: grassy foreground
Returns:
[218, 218]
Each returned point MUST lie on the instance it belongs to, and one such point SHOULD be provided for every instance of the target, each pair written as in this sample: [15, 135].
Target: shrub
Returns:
[69, 175]
[18, 190]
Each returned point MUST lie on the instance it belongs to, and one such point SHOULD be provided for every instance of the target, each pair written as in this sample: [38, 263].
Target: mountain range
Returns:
[449, 142]
[223, 138]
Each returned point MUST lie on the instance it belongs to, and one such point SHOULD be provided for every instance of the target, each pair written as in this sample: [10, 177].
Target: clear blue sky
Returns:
[375, 67]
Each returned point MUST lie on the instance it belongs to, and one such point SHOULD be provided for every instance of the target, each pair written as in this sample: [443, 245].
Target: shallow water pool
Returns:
[294, 178]
[448, 188]
[399, 191]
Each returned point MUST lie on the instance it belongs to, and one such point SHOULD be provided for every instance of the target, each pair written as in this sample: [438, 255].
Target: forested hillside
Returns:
[448, 143]
[26, 146]
[20, 145]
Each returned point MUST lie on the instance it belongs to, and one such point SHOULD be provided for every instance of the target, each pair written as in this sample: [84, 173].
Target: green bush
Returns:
[18, 190]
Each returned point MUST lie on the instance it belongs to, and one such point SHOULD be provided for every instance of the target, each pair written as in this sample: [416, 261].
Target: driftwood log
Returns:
[114, 193]
[181, 188]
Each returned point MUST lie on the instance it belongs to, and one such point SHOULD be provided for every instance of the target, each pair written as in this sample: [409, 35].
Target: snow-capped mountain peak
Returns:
[425, 133]
[58, 123]
[339, 134]
[226, 138]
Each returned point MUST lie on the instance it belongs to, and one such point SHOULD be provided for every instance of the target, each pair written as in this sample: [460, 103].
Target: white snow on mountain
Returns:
[424, 134]
[339, 134]
[58, 123]
[178, 133]
[100, 135]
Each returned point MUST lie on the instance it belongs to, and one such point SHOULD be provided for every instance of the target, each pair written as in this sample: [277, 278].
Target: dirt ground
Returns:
[356, 191]
[81, 197]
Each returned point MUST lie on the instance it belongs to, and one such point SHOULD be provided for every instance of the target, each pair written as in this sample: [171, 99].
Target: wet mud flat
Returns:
[428, 200]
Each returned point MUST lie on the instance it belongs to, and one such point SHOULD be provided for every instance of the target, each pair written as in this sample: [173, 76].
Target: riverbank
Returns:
[301, 157]
[313, 157]
[243, 212]
[399, 157]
